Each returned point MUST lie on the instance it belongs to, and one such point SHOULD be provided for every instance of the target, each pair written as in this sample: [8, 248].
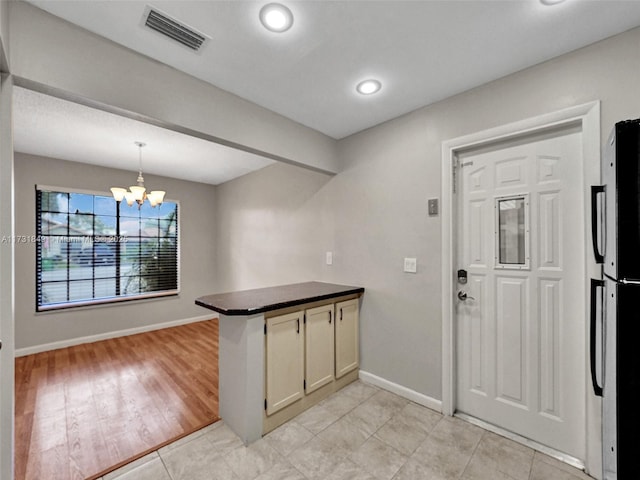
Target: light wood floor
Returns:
[83, 411]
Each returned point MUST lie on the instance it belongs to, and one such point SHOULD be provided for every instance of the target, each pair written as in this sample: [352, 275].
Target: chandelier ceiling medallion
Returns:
[138, 193]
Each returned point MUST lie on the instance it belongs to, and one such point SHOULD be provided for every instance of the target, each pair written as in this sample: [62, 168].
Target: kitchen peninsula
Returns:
[283, 349]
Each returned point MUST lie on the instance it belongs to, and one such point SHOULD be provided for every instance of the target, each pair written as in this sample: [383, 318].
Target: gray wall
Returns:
[59, 55]
[4, 36]
[197, 263]
[274, 226]
[378, 204]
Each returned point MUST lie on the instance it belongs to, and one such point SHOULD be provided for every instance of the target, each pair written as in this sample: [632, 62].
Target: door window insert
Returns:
[512, 232]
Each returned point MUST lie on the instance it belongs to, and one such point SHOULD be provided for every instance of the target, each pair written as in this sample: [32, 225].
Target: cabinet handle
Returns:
[340, 314]
[329, 316]
[298, 329]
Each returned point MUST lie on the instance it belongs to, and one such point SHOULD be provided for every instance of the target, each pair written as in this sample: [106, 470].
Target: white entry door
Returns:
[521, 329]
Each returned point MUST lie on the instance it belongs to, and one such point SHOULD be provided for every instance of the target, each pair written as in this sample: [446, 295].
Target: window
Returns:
[91, 250]
[512, 232]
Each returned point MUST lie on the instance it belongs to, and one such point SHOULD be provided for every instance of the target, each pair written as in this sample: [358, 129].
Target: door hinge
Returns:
[454, 173]
[456, 166]
[265, 403]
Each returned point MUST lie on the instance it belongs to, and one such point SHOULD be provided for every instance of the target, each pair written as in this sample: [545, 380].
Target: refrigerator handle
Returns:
[595, 284]
[595, 190]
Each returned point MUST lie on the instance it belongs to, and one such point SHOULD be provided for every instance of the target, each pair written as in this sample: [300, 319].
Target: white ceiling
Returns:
[51, 127]
[422, 51]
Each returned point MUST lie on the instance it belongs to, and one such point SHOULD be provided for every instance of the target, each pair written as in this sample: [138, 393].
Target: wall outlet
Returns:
[410, 265]
[329, 258]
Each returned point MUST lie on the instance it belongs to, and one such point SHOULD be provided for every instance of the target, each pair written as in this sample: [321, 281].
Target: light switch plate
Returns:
[329, 258]
[433, 206]
[410, 265]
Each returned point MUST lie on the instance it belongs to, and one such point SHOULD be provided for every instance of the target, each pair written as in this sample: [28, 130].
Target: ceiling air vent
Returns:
[161, 22]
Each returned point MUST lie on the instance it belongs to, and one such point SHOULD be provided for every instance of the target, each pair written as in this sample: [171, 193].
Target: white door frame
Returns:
[6, 278]
[587, 116]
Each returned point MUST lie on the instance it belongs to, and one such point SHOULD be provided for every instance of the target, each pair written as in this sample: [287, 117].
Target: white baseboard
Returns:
[405, 392]
[21, 352]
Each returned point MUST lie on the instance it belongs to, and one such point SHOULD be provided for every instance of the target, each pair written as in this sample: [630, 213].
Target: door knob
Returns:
[462, 295]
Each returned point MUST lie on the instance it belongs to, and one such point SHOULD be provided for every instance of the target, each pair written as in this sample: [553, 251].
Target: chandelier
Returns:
[138, 193]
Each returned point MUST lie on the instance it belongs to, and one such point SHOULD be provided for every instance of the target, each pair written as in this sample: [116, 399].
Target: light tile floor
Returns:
[359, 433]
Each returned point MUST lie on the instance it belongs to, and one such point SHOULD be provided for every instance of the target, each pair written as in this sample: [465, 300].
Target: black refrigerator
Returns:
[615, 301]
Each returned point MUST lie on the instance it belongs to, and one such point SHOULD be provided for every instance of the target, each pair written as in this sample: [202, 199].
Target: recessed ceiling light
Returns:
[276, 17]
[551, 2]
[368, 87]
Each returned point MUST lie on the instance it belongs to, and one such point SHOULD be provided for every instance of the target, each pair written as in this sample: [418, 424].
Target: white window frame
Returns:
[527, 233]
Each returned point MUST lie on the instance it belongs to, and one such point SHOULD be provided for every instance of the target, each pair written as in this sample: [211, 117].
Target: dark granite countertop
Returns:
[260, 300]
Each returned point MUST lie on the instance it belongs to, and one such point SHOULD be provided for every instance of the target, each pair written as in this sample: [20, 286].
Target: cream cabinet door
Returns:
[347, 355]
[285, 360]
[319, 343]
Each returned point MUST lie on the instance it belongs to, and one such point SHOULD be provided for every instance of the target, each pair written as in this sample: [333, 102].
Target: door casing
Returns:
[6, 278]
[588, 117]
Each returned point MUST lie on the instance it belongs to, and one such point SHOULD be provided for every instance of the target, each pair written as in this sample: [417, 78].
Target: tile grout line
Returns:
[164, 465]
[338, 418]
[484, 432]
[533, 458]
